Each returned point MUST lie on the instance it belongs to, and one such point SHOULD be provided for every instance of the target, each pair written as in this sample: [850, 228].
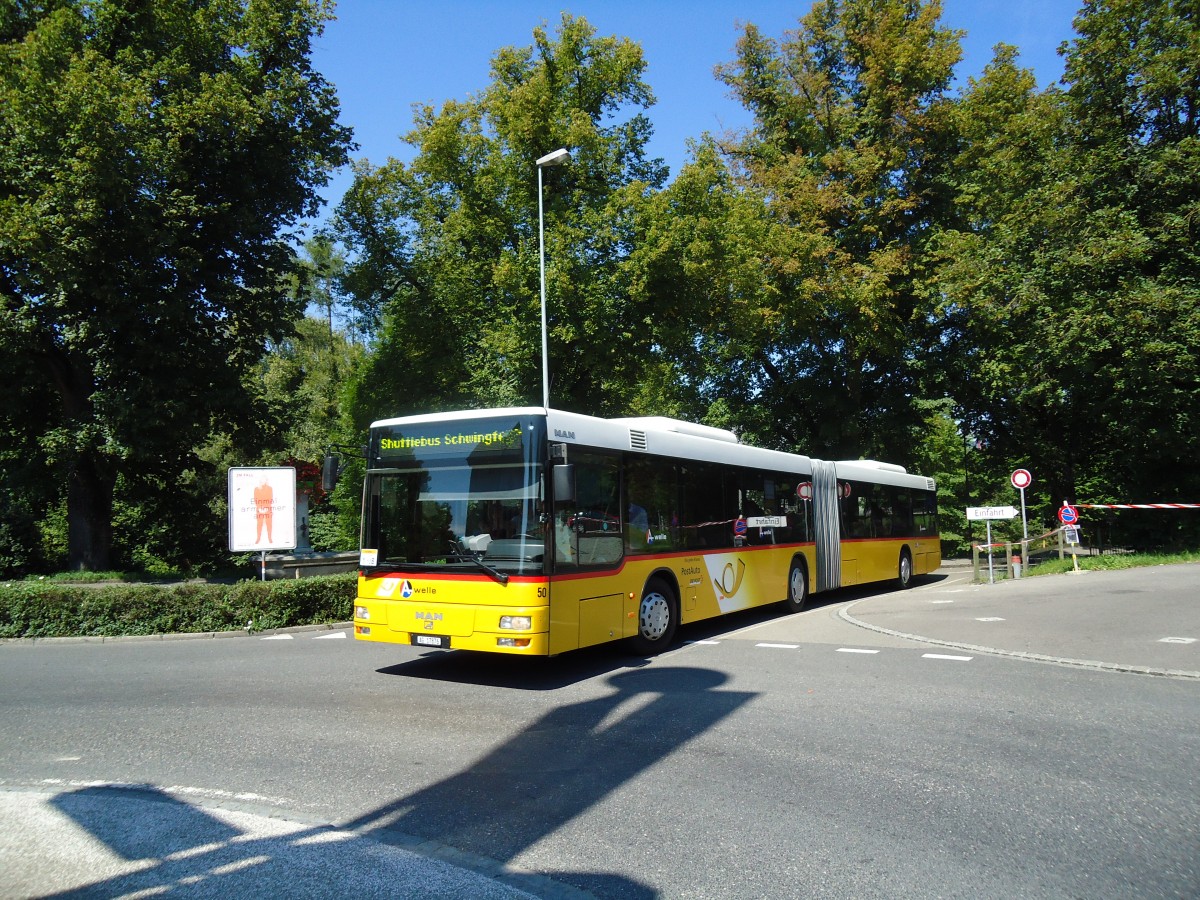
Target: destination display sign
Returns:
[467, 440]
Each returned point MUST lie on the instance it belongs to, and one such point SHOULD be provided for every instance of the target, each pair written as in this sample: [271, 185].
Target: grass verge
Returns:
[1114, 561]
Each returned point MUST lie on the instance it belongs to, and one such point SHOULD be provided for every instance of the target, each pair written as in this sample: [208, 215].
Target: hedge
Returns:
[41, 610]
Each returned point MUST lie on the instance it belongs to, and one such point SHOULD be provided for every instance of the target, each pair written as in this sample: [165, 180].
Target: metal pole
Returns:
[542, 256]
[556, 158]
[991, 571]
[1024, 524]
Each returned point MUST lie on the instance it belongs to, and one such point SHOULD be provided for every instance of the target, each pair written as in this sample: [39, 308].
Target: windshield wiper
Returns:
[457, 549]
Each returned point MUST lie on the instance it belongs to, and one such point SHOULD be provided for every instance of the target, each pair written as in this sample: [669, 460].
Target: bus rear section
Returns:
[875, 523]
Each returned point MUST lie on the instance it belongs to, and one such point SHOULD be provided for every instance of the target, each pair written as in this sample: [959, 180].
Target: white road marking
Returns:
[990, 619]
[854, 650]
[709, 643]
[181, 790]
[941, 601]
[277, 637]
[330, 637]
[780, 646]
[945, 656]
[1176, 640]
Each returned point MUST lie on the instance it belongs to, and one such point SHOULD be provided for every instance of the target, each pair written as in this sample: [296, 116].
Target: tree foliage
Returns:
[1071, 288]
[152, 156]
[876, 267]
[444, 249]
[963, 282]
[847, 156]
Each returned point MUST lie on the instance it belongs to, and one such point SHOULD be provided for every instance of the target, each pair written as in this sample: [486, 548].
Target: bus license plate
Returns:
[431, 640]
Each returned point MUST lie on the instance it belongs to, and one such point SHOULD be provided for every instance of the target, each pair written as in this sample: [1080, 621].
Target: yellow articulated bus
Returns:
[535, 531]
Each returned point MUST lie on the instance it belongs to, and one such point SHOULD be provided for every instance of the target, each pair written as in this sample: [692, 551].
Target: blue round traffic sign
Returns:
[1068, 515]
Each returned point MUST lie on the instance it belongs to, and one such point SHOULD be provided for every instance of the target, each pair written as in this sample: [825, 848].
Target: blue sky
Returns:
[385, 55]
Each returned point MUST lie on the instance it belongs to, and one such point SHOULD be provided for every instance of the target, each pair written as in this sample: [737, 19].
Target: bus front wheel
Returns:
[658, 617]
[904, 572]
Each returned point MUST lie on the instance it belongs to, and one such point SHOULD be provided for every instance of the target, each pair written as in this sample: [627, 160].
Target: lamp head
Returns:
[556, 158]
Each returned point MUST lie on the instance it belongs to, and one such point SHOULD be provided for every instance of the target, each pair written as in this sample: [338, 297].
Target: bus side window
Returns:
[650, 517]
[925, 513]
[856, 511]
[902, 524]
[753, 492]
[586, 526]
[708, 506]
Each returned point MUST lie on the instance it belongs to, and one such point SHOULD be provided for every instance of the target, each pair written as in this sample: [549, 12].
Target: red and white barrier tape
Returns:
[1139, 505]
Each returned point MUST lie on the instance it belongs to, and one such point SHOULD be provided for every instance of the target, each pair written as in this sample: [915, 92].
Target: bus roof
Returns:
[663, 436]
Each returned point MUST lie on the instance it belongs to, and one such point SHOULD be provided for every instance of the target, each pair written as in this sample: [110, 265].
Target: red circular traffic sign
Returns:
[1068, 515]
[1021, 479]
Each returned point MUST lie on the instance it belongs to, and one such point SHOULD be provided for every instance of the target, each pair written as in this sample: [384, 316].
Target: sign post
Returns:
[987, 514]
[1069, 516]
[1021, 479]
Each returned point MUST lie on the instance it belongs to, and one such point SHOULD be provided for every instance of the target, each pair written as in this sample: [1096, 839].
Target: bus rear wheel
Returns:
[658, 617]
[904, 571]
[797, 597]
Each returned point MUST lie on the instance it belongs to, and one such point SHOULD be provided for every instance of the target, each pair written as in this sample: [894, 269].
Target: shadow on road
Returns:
[514, 672]
[168, 847]
[518, 794]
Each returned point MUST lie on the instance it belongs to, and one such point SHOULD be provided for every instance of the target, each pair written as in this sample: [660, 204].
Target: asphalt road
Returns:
[1035, 738]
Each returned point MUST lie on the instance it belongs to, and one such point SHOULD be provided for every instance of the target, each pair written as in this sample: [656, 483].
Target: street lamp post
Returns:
[557, 158]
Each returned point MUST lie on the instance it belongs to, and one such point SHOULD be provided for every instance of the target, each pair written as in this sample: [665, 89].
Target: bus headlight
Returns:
[361, 612]
[516, 623]
[512, 642]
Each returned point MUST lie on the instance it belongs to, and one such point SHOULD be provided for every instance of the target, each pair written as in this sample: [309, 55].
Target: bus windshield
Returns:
[463, 497]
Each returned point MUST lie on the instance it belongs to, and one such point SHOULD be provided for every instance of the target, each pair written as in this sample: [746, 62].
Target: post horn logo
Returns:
[731, 579]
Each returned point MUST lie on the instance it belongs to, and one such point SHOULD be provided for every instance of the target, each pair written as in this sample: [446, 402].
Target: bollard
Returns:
[1016, 564]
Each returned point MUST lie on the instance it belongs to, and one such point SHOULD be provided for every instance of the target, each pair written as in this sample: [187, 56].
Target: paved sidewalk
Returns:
[1105, 619]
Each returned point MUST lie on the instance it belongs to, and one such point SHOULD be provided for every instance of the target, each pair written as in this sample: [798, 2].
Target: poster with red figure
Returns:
[262, 508]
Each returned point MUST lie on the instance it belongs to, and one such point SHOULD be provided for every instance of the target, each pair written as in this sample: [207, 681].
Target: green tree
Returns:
[711, 306]
[303, 382]
[305, 375]
[1071, 284]
[26, 481]
[849, 150]
[445, 249]
[152, 156]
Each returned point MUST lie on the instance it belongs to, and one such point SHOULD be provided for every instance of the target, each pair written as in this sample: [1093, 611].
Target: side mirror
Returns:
[564, 483]
[329, 472]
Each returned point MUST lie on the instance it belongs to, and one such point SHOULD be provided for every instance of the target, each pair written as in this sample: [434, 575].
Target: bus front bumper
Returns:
[446, 626]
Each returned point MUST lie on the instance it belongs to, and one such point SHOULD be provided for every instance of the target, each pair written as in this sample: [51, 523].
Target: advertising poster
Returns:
[262, 509]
